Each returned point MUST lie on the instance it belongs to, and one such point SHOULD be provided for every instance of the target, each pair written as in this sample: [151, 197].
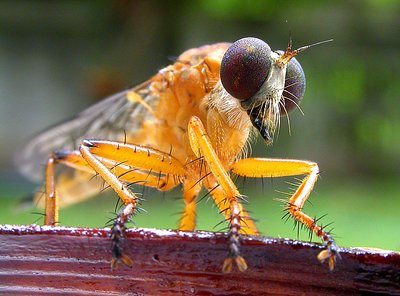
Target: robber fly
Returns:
[189, 124]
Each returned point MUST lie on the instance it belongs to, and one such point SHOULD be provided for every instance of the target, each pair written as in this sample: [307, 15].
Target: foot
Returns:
[331, 253]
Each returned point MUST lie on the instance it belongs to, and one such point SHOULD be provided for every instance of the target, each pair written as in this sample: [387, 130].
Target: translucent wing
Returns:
[118, 117]
[111, 119]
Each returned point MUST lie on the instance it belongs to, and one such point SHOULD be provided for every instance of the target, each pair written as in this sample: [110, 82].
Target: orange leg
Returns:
[191, 190]
[201, 146]
[248, 226]
[125, 173]
[51, 198]
[136, 156]
[117, 164]
[263, 167]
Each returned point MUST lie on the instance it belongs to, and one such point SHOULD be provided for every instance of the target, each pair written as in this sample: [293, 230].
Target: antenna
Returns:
[289, 53]
[303, 48]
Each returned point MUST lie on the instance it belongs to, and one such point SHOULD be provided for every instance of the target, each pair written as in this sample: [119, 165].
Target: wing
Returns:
[116, 118]
[112, 119]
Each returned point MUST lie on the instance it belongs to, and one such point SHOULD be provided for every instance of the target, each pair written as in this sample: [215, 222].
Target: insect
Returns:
[187, 125]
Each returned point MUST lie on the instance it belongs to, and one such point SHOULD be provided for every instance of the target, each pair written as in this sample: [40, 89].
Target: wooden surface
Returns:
[72, 261]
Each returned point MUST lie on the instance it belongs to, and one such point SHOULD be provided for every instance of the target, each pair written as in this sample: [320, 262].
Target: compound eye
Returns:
[245, 66]
[295, 86]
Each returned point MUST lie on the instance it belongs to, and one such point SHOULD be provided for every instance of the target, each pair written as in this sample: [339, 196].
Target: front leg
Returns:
[227, 192]
[264, 167]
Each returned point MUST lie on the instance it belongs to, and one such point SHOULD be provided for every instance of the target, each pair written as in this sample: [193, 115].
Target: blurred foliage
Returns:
[58, 57]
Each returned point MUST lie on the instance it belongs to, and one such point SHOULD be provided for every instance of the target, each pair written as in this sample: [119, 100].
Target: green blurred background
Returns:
[58, 57]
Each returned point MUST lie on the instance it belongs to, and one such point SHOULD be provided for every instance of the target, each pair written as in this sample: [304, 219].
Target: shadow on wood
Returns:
[61, 260]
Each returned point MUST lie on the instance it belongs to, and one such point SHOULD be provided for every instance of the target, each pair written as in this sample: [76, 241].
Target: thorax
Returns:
[191, 87]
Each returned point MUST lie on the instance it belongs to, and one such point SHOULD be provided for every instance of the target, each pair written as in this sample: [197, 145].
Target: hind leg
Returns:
[265, 167]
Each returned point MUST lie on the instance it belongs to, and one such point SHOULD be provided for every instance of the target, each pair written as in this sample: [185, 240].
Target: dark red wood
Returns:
[61, 260]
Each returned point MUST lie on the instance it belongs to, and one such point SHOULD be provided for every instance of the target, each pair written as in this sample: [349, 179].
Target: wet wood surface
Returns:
[38, 260]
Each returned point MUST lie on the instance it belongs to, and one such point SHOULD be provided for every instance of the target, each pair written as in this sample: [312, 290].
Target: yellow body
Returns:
[179, 127]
